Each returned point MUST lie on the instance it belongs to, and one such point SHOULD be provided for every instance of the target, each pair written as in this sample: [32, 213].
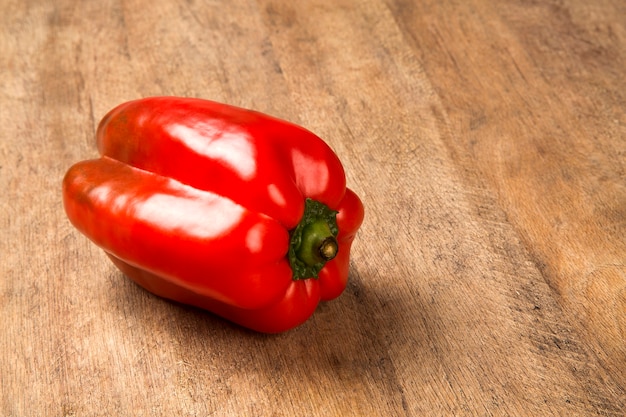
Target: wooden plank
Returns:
[486, 140]
[544, 135]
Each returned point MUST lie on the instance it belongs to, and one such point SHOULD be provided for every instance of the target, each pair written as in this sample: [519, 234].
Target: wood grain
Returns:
[487, 140]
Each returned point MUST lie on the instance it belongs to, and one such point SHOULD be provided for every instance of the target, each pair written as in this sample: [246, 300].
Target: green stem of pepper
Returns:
[313, 241]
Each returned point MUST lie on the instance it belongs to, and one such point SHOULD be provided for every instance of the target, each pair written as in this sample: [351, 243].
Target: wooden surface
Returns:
[487, 140]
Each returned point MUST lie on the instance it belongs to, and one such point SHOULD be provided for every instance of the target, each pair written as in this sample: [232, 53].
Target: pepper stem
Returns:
[329, 248]
[313, 241]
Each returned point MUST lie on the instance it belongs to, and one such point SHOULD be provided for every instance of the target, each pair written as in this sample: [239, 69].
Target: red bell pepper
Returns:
[218, 207]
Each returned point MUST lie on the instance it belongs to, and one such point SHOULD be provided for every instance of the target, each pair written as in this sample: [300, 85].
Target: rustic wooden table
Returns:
[486, 139]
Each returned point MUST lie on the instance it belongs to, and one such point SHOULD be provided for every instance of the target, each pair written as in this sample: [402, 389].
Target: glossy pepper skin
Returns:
[219, 207]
